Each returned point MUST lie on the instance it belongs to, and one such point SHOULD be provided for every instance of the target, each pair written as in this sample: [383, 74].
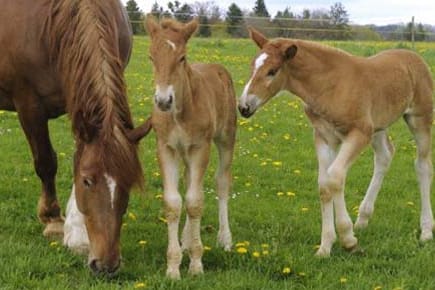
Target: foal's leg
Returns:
[420, 127]
[223, 180]
[384, 152]
[35, 126]
[197, 160]
[325, 155]
[168, 162]
[333, 187]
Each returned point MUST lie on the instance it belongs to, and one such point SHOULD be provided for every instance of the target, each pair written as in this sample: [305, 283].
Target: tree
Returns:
[135, 15]
[234, 20]
[419, 32]
[338, 15]
[260, 9]
[283, 20]
[204, 28]
[183, 13]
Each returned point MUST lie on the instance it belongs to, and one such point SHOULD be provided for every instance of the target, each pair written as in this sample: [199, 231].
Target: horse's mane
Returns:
[171, 24]
[84, 43]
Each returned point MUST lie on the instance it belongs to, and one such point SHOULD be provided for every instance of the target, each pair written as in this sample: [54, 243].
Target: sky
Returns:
[379, 12]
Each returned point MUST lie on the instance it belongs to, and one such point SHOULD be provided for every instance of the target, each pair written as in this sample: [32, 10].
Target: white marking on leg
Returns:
[75, 233]
[424, 174]
[111, 183]
[171, 44]
[328, 230]
[382, 160]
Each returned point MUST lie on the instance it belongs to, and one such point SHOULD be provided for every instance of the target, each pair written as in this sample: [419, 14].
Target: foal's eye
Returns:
[272, 72]
[87, 182]
[183, 58]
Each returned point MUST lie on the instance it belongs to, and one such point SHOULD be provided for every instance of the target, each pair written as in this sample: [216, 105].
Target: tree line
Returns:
[310, 24]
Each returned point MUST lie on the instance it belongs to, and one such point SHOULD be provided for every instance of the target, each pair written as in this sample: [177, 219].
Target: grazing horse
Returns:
[350, 101]
[67, 56]
[194, 105]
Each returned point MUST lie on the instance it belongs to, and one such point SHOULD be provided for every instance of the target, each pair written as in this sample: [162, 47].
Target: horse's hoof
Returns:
[426, 236]
[173, 274]
[195, 269]
[54, 230]
[355, 250]
[360, 225]
[323, 253]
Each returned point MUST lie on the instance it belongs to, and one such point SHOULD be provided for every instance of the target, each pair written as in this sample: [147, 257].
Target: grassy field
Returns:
[274, 209]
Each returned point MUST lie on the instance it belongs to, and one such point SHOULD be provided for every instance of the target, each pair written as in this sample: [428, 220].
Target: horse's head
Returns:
[268, 75]
[105, 171]
[168, 55]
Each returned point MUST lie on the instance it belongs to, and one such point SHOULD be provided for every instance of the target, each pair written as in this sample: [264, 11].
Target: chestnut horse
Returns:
[194, 105]
[65, 56]
[350, 101]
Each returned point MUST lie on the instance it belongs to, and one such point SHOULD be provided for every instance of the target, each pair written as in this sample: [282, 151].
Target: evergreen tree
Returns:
[234, 20]
[183, 13]
[204, 28]
[135, 15]
[339, 15]
[260, 9]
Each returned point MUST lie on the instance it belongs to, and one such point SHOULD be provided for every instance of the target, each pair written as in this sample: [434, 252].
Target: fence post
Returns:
[413, 33]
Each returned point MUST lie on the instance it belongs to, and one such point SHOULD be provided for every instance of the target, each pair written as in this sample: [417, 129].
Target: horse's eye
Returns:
[272, 72]
[87, 182]
[183, 59]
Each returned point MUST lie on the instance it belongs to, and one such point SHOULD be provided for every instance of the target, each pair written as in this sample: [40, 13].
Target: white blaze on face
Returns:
[75, 233]
[111, 183]
[259, 62]
[171, 44]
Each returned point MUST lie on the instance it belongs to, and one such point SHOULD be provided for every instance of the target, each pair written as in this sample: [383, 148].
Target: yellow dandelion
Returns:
[410, 203]
[316, 247]
[265, 252]
[277, 163]
[302, 274]
[250, 129]
[265, 246]
[240, 244]
[247, 184]
[2, 112]
[163, 220]
[142, 242]
[247, 243]
[287, 136]
[141, 120]
[158, 196]
[304, 209]
[62, 154]
[54, 244]
[264, 163]
[139, 285]
[289, 193]
[286, 270]
[156, 173]
[255, 155]
[132, 216]
[25, 179]
[296, 171]
[256, 254]
[280, 193]
[124, 225]
[242, 250]
[343, 280]
[207, 248]
[377, 288]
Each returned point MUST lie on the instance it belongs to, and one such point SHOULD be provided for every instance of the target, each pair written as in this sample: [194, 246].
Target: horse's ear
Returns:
[151, 25]
[257, 37]
[290, 51]
[136, 134]
[190, 28]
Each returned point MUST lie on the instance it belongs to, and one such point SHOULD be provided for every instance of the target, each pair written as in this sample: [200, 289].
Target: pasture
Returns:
[274, 207]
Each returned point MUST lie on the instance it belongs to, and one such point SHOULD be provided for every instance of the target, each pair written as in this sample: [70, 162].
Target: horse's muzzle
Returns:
[98, 268]
[165, 105]
[246, 111]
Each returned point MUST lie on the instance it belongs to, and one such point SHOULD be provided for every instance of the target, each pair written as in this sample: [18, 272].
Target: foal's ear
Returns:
[190, 28]
[289, 51]
[257, 37]
[136, 134]
[151, 25]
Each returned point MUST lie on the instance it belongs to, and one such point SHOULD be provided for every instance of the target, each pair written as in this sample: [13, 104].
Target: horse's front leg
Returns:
[197, 160]
[168, 162]
[35, 125]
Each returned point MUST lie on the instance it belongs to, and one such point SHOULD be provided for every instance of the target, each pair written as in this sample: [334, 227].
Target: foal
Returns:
[194, 105]
[350, 101]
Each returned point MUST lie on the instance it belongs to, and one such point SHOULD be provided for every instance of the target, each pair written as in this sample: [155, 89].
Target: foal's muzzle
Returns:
[98, 268]
[164, 105]
[246, 111]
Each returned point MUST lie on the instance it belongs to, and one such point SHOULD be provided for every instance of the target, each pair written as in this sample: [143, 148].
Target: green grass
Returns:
[274, 153]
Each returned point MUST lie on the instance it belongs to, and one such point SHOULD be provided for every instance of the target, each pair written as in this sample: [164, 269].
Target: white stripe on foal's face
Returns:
[171, 44]
[164, 97]
[111, 183]
[252, 100]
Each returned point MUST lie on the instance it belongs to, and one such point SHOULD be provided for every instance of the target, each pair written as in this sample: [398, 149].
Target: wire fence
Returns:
[318, 29]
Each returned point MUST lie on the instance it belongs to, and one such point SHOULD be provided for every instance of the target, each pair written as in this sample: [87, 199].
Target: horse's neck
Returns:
[313, 74]
[184, 102]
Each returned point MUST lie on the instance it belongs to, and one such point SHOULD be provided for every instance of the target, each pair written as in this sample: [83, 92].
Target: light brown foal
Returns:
[350, 101]
[194, 105]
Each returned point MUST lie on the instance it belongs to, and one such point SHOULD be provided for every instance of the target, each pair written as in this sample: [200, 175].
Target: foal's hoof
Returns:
[323, 253]
[355, 250]
[54, 230]
[196, 269]
[426, 236]
[360, 225]
[173, 274]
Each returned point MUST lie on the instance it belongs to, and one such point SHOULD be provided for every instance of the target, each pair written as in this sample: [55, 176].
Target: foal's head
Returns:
[269, 71]
[168, 55]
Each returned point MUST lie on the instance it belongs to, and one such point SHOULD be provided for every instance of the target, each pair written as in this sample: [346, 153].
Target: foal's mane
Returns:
[84, 44]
